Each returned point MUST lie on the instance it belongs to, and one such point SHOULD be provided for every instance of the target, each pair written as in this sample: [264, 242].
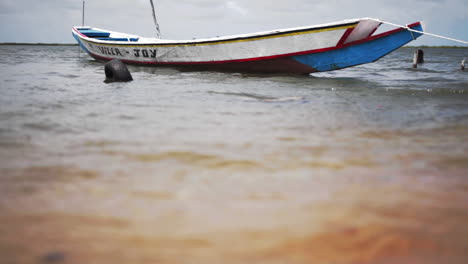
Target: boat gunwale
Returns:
[221, 40]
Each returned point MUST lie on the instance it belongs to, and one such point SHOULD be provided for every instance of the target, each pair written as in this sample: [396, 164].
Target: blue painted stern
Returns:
[360, 52]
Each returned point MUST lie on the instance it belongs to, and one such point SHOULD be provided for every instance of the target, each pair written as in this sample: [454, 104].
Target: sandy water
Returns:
[363, 165]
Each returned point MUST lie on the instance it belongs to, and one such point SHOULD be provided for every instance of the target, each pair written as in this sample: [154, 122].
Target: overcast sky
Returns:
[51, 20]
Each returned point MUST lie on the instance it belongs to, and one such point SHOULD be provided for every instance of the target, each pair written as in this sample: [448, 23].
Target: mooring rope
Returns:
[158, 31]
[421, 32]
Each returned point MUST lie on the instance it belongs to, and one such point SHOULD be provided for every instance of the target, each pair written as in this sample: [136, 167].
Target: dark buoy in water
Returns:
[462, 65]
[418, 58]
[116, 71]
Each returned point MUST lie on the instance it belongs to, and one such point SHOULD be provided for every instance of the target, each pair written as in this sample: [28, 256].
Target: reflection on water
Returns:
[364, 165]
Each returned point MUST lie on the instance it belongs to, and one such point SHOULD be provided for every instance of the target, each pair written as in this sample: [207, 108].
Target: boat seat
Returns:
[94, 33]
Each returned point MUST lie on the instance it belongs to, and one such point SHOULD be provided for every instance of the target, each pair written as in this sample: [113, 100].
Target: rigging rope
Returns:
[421, 32]
[158, 31]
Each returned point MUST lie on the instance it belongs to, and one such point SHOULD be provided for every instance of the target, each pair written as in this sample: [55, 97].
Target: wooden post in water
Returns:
[418, 58]
[462, 65]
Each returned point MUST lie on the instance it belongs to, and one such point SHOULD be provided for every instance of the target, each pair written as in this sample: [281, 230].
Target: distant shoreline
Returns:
[75, 44]
[36, 44]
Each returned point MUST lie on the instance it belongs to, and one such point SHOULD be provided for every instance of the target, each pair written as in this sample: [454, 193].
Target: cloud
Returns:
[235, 7]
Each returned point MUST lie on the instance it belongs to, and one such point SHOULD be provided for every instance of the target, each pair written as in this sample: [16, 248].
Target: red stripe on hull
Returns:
[276, 65]
[345, 37]
[279, 65]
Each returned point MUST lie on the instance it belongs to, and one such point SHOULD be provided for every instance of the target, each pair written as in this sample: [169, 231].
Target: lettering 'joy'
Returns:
[146, 53]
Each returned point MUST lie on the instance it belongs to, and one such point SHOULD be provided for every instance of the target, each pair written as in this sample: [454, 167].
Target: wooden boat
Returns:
[300, 50]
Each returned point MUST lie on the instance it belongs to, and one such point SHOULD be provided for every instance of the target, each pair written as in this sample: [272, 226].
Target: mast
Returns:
[83, 17]
[158, 31]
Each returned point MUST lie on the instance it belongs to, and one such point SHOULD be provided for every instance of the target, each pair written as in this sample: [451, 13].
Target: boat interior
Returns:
[103, 35]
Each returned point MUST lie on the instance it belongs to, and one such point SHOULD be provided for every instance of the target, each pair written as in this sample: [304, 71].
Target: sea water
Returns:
[363, 165]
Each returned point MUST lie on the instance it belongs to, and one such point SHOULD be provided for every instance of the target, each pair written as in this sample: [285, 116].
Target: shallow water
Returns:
[363, 165]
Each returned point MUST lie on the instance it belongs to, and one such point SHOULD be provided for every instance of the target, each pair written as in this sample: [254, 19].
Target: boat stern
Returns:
[361, 51]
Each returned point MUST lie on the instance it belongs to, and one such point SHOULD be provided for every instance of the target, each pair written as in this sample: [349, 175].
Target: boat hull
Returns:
[304, 50]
